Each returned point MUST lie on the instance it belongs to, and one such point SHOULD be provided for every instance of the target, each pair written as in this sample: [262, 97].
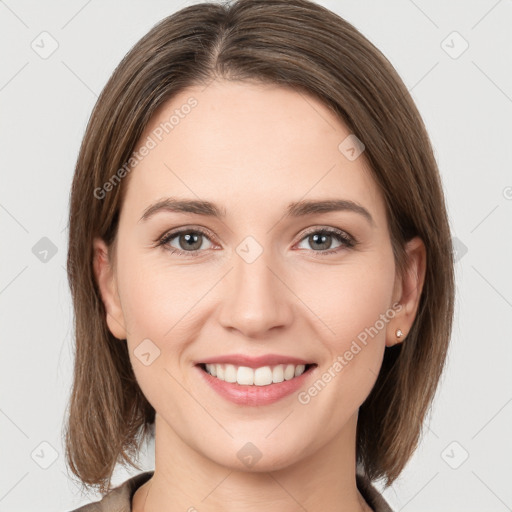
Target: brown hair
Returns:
[304, 46]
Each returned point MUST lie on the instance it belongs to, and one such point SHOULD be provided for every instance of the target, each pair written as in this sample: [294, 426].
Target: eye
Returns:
[322, 240]
[189, 241]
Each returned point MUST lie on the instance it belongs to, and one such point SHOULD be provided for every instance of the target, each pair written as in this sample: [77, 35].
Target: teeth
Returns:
[230, 374]
[255, 377]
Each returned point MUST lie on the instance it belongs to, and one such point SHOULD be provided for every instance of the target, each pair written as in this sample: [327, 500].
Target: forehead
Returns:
[250, 145]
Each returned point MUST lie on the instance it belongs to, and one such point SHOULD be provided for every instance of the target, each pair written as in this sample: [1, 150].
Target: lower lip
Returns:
[255, 395]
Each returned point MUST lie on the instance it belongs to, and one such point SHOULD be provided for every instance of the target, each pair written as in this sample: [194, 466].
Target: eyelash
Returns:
[347, 240]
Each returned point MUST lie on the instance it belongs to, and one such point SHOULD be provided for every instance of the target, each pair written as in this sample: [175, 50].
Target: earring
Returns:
[399, 333]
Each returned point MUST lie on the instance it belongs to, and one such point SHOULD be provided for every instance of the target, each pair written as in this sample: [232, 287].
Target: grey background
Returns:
[466, 102]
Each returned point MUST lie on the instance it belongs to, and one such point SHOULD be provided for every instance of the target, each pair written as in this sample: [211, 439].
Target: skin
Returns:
[252, 149]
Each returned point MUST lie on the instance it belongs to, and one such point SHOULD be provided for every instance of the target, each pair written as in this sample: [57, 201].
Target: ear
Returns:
[106, 279]
[407, 291]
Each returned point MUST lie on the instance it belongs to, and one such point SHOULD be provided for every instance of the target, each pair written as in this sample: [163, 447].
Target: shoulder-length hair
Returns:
[296, 44]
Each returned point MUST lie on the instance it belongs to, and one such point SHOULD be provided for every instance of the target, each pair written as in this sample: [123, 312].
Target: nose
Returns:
[255, 298]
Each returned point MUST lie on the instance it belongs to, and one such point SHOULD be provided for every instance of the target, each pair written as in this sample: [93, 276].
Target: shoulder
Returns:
[118, 499]
[372, 496]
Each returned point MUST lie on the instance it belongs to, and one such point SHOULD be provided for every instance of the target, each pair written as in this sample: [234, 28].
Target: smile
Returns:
[263, 376]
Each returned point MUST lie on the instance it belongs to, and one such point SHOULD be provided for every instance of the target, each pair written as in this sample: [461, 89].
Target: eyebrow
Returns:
[294, 209]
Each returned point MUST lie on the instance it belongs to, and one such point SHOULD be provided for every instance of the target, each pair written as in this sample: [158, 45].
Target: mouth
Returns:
[262, 376]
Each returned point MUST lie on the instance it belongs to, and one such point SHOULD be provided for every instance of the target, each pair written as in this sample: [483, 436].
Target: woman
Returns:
[261, 267]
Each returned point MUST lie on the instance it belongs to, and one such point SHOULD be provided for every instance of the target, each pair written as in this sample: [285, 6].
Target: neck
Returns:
[185, 480]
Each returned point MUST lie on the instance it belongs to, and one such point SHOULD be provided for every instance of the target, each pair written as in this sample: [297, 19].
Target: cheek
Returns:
[161, 304]
[157, 298]
[158, 311]
[353, 304]
[351, 297]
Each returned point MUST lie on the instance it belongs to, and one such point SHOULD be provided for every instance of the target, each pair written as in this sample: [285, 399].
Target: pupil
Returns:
[323, 238]
[191, 241]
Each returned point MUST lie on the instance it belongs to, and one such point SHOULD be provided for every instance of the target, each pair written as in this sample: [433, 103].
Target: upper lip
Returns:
[254, 362]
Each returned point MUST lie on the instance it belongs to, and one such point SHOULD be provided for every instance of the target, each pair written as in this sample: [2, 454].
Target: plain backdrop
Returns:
[455, 58]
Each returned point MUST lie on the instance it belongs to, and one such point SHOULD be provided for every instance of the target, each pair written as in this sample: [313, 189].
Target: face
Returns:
[260, 278]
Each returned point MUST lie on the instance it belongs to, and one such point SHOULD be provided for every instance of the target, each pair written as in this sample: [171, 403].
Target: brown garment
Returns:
[119, 499]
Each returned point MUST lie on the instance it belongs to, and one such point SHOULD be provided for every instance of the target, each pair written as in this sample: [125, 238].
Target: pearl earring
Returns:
[399, 333]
